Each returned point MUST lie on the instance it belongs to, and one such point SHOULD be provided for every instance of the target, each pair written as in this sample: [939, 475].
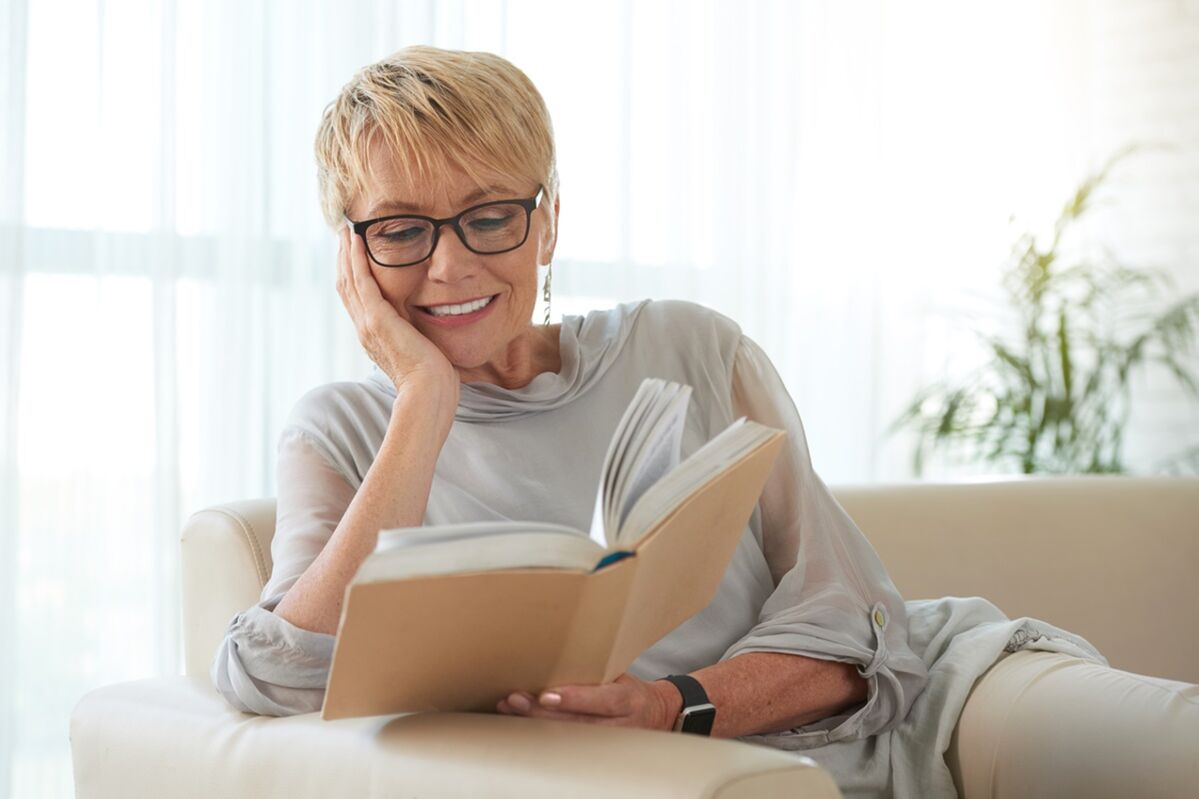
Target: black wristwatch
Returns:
[698, 714]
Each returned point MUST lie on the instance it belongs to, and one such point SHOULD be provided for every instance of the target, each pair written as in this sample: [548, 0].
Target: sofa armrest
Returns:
[176, 737]
[1045, 724]
[226, 558]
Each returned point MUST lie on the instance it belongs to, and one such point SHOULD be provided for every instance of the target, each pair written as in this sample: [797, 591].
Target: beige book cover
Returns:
[462, 642]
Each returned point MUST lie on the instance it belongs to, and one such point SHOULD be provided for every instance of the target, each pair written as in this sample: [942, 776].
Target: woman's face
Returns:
[497, 342]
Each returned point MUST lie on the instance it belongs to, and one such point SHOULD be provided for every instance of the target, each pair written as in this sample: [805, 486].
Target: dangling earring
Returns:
[546, 294]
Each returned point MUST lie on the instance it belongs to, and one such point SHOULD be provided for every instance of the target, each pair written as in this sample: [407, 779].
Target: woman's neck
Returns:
[536, 352]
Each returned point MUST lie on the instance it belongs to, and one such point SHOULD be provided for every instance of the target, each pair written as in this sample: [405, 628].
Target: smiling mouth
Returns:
[458, 309]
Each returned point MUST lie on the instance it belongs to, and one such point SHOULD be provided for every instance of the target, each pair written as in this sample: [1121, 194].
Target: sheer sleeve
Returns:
[265, 664]
[833, 599]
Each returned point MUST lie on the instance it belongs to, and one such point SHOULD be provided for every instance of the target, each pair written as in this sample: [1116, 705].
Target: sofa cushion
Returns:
[176, 737]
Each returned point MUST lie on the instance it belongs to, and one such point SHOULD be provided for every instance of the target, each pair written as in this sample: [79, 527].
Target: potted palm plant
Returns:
[1054, 393]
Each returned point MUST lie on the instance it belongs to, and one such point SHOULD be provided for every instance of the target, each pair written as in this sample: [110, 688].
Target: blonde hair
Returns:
[435, 108]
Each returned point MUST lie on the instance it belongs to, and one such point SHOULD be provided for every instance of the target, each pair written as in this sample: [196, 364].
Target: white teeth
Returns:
[458, 310]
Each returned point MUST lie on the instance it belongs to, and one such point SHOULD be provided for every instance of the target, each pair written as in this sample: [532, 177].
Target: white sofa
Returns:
[1113, 559]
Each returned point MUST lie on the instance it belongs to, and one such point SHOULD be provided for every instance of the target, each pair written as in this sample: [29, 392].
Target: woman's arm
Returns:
[396, 488]
[755, 694]
[275, 656]
[833, 598]
[394, 493]
[267, 664]
[764, 692]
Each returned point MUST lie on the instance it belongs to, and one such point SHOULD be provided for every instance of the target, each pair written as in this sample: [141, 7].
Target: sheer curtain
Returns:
[836, 177]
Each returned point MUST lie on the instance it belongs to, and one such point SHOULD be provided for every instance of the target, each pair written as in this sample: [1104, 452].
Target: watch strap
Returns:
[698, 713]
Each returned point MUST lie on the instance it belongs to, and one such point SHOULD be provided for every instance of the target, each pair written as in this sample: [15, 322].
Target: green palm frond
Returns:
[1055, 394]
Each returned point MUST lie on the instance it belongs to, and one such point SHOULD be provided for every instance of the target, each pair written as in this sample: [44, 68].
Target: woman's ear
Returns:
[549, 240]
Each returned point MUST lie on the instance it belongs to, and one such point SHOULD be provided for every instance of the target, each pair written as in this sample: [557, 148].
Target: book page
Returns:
[400, 537]
[623, 437]
[480, 546]
[739, 438]
[637, 406]
[641, 404]
[655, 451]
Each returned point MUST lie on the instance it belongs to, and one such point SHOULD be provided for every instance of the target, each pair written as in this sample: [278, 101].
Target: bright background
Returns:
[838, 178]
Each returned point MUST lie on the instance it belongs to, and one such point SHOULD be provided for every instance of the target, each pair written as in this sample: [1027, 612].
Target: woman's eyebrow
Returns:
[397, 206]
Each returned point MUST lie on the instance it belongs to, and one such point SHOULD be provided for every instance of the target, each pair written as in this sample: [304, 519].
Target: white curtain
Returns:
[836, 177]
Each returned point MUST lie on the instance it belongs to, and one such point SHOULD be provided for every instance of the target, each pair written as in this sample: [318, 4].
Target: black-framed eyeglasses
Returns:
[487, 229]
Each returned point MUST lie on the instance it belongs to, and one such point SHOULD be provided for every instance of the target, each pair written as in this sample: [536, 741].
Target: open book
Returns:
[456, 617]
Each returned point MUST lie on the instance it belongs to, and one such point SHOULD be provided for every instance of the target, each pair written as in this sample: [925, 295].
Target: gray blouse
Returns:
[803, 580]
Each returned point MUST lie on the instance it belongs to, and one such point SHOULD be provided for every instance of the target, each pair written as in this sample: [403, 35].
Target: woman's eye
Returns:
[402, 234]
[490, 222]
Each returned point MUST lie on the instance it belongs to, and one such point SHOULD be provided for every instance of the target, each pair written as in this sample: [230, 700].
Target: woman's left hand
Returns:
[625, 702]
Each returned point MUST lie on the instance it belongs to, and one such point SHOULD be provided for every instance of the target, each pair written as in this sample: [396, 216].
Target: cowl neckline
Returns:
[587, 347]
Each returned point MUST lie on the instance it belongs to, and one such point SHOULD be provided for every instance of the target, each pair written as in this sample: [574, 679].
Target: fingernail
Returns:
[551, 698]
[519, 702]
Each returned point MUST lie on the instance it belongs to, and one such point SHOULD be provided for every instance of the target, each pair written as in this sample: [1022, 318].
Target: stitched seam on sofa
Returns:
[1141, 678]
[251, 539]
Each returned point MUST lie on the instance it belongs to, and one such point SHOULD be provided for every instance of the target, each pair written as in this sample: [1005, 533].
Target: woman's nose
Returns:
[450, 260]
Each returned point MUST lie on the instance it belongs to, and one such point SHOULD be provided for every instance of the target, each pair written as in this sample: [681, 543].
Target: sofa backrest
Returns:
[1113, 559]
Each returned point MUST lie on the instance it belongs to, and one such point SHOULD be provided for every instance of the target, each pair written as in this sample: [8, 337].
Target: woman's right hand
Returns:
[399, 349]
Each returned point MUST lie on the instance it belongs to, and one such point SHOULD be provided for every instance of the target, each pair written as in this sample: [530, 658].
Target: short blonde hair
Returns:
[433, 108]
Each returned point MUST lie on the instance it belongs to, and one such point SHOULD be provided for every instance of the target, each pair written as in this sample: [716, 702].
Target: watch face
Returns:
[699, 719]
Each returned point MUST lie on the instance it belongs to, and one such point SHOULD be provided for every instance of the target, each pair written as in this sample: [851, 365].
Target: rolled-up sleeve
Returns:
[833, 599]
[265, 664]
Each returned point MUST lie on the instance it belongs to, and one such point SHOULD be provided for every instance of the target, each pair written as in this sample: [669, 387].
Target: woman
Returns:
[463, 417]
[437, 170]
